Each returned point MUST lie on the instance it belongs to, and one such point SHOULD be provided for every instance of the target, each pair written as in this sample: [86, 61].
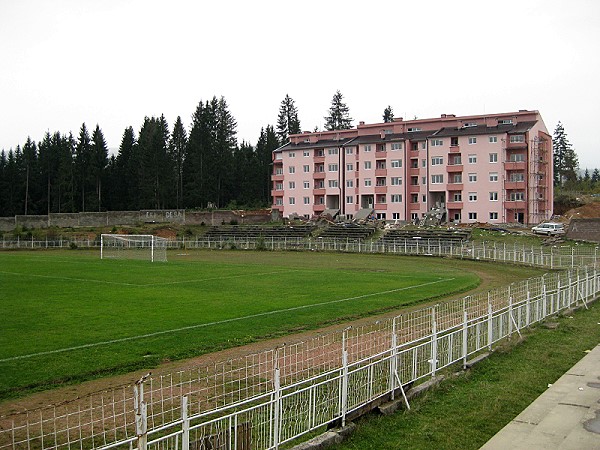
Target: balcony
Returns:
[319, 191]
[381, 189]
[455, 186]
[319, 208]
[381, 207]
[276, 193]
[516, 185]
[520, 204]
[515, 145]
[414, 206]
[454, 205]
[515, 165]
[277, 177]
[319, 159]
[319, 176]
[380, 172]
[414, 171]
[454, 149]
[414, 188]
[451, 168]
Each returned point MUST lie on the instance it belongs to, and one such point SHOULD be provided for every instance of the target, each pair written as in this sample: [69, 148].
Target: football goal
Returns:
[133, 246]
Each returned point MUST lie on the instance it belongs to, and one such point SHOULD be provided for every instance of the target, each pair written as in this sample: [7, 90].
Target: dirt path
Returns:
[488, 278]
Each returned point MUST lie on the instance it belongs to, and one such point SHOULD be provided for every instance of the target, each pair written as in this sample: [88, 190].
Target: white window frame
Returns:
[493, 196]
[472, 196]
[493, 158]
[396, 163]
[472, 140]
[472, 178]
[472, 159]
[493, 177]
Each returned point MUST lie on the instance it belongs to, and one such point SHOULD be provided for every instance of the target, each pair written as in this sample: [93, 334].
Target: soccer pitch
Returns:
[69, 316]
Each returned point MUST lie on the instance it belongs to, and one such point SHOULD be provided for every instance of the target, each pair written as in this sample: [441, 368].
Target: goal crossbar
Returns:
[133, 246]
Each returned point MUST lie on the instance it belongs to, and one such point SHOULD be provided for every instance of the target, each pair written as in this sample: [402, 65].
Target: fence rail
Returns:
[264, 400]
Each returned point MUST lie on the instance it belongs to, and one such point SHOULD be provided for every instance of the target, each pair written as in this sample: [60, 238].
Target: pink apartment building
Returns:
[494, 168]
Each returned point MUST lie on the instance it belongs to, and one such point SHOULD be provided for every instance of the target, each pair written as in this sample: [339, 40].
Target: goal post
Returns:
[133, 246]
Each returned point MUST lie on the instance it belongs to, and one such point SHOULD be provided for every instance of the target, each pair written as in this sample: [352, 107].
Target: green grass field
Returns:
[68, 316]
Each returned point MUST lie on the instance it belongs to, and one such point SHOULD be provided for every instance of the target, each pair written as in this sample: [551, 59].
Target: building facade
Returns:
[489, 168]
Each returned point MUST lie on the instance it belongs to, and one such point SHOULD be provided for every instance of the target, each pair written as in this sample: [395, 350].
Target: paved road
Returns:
[566, 416]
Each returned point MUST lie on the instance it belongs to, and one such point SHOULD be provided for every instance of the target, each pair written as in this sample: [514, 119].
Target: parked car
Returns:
[549, 228]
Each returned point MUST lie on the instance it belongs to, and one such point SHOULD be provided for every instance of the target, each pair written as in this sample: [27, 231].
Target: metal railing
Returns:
[263, 400]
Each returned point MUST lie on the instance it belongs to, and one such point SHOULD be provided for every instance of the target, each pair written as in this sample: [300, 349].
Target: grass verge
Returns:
[466, 411]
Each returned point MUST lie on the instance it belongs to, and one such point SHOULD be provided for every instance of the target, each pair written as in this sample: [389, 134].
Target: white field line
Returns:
[120, 283]
[220, 322]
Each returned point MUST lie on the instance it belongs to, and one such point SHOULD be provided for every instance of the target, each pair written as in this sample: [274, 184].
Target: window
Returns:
[423, 163]
[413, 129]
[516, 177]
[279, 201]
[493, 139]
[292, 154]
[457, 197]
[332, 151]
[319, 153]
[493, 216]
[333, 183]
[319, 168]
[380, 181]
[414, 181]
[367, 182]
[380, 164]
[320, 201]
[320, 184]
[469, 125]
[437, 161]
[396, 198]
[423, 181]
[279, 186]
[349, 167]
[424, 198]
[472, 196]
[396, 145]
[396, 216]
[437, 142]
[332, 167]
[367, 148]
[349, 199]
[472, 159]
[472, 178]
[454, 141]
[457, 178]
[306, 200]
[517, 138]
[306, 185]
[493, 157]
[472, 140]
[504, 121]
[292, 200]
[472, 216]
[456, 160]
[517, 196]
[493, 196]
[306, 153]
[292, 169]
[517, 157]
[306, 168]
[423, 145]
[396, 181]
[380, 216]
[493, 176]
[381, 199]
[349, 183]
[414, 198]
[292, 185]
[437, 179]
[396, 163]
[349, 150]
[367, 165]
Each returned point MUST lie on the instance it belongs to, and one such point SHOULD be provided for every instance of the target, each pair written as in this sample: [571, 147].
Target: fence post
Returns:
[465, 342]
[185, 427]
[276, 401]
[510, 316]
[543, 298]
[344, 393]
[141, 414]
[489, 320]
[394, 361]
[433, 342]
[528, 307]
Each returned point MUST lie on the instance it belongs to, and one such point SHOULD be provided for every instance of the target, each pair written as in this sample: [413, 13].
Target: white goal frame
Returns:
[133, 246]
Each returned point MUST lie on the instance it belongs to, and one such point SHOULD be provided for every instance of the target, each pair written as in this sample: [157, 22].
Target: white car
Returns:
[550, 228]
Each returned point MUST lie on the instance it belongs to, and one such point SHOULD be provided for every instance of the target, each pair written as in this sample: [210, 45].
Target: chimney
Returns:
[362, 122]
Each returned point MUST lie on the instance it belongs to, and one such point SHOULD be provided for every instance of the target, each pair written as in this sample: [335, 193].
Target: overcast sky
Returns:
[109, 62]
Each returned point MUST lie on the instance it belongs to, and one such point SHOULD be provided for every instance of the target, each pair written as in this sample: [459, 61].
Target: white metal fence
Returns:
[263, 400]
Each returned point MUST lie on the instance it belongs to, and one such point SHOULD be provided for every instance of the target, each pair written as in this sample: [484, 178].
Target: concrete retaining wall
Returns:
[110, 218]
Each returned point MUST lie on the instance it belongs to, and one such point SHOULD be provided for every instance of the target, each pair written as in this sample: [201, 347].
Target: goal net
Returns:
[133, 246]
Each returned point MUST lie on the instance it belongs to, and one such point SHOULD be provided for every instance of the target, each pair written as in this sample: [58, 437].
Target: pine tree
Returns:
[99, 161]
[127, 172]
[83, 164]
[595, 176]
[339, 114]
[3, 184]
[565, 158]
[287, 121]
[388, 114]
[177, 148]
[30, 159]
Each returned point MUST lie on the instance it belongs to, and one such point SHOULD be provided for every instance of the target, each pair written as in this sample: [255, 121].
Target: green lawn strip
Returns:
[51, 304]
[466, 411]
